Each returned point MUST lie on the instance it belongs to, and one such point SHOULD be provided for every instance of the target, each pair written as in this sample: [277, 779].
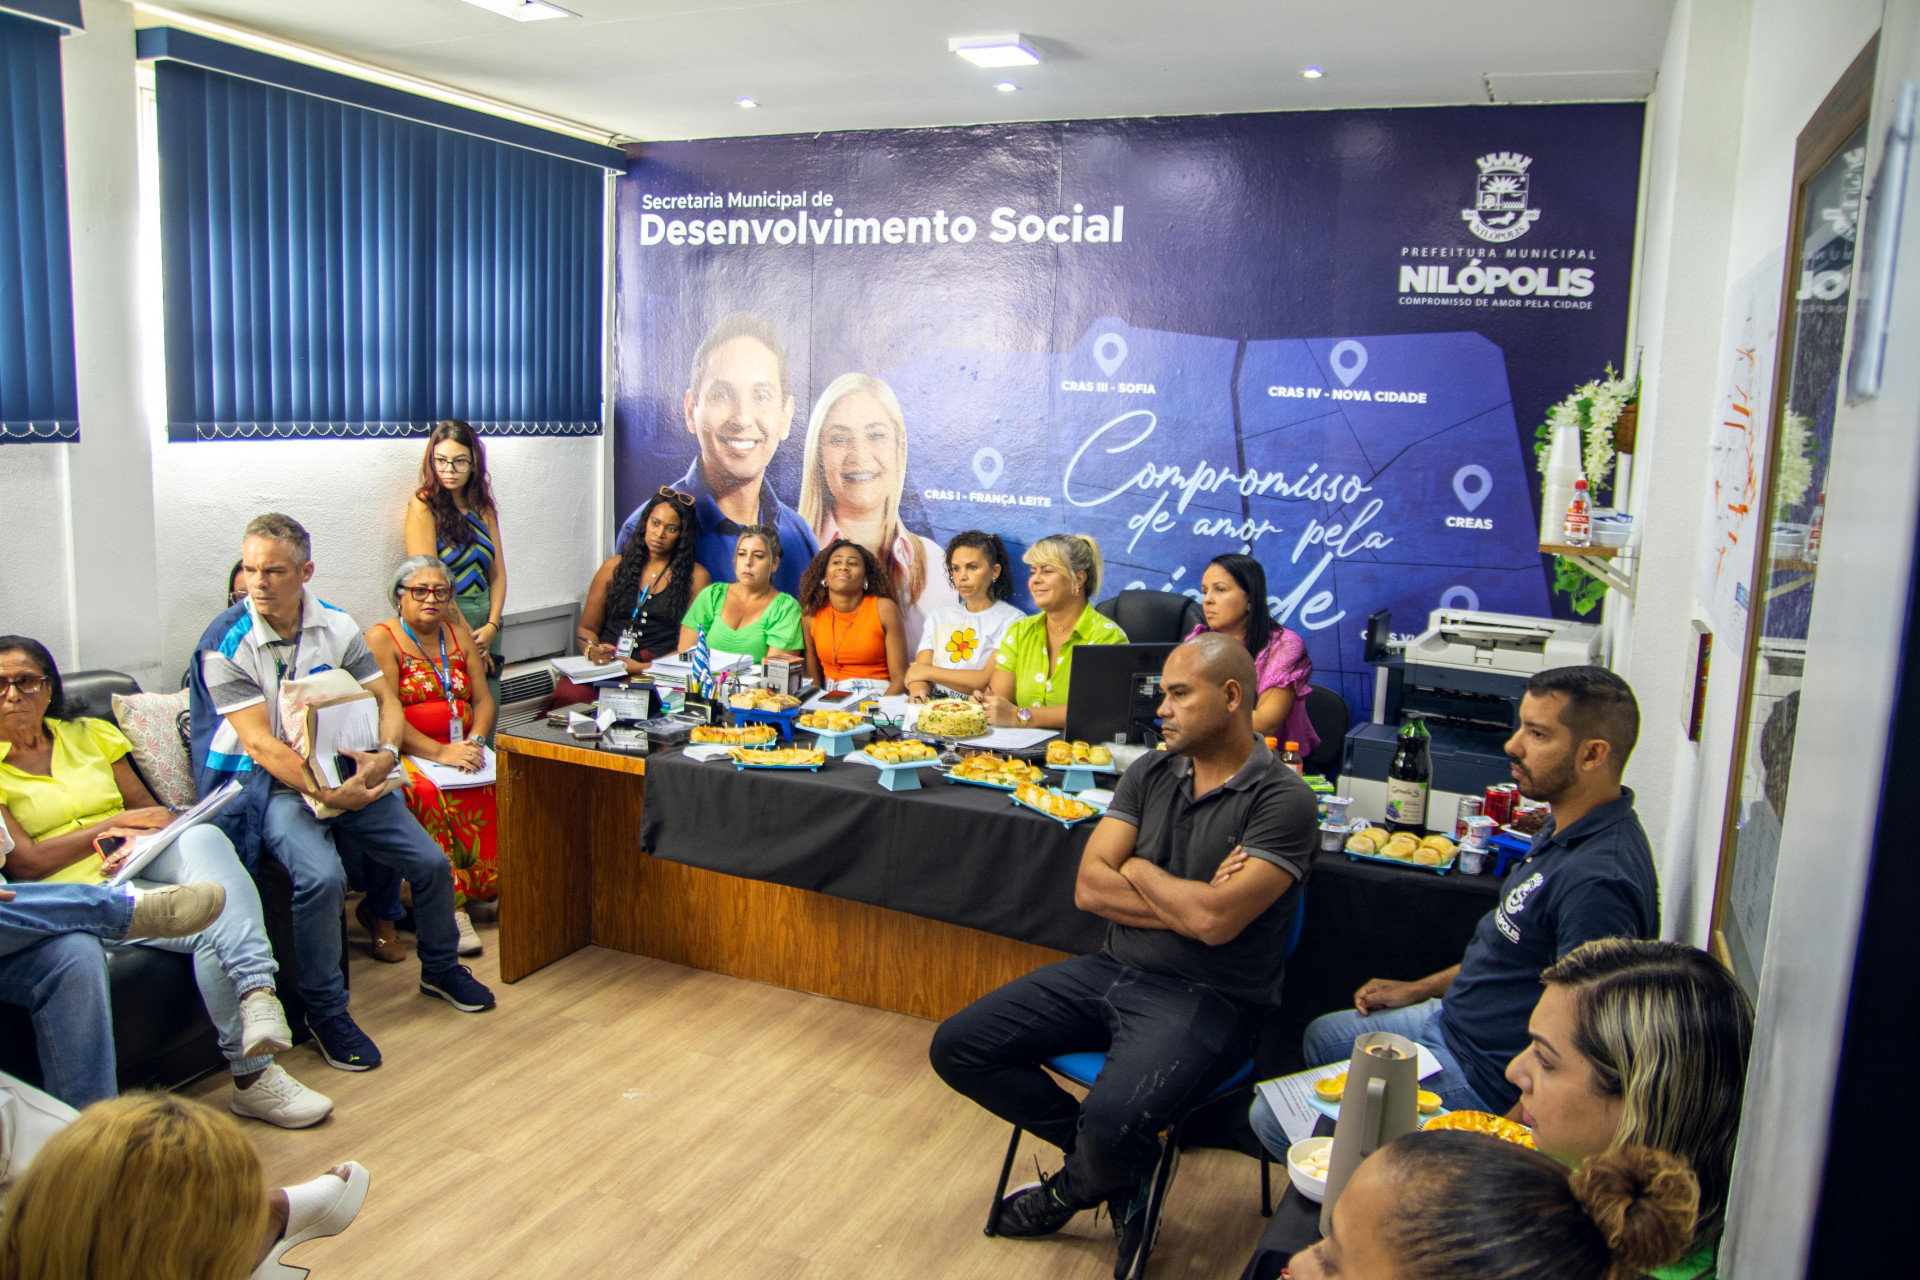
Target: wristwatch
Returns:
[1025, 714]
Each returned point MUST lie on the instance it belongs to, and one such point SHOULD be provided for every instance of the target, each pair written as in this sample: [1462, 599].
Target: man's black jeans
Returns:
[1169, 1043]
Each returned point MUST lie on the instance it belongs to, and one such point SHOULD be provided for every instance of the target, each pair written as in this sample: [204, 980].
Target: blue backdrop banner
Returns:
[1325, 338]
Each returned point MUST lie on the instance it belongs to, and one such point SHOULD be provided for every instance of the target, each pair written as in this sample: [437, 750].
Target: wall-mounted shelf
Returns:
[1612, 566]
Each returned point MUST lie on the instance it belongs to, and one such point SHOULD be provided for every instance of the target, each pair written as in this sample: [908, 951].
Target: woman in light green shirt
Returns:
[747, 615]
[1034, 661]
[1641, 1044]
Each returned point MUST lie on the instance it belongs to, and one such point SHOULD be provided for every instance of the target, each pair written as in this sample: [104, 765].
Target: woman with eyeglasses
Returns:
[452, 516]
[636, 600]
[435, 664]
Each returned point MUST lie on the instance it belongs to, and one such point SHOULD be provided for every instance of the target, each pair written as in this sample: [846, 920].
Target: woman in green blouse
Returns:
[1641, 1044]
[1034, 661]
[747, 615]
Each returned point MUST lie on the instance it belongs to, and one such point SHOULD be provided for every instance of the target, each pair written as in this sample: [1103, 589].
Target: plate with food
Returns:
[907, 753]
[1059, 806]
[1329, 1090]
[746, 735]
[1003, 773]
[778, 758]
[956, 718]
[1097, 756]
[827, 721]
[1483, 1122]
[763, 700]
[1431, 853]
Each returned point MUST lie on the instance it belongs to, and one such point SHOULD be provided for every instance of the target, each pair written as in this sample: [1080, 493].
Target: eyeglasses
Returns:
[424, 594]
[25, 686]
[674, 495]
[235, 597]
[458, 466]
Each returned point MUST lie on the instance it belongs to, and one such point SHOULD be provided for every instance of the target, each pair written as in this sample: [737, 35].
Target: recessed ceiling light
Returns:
[1313, 73]
[995, 51]
[524, 10]
[748, 103]
[1006, 86]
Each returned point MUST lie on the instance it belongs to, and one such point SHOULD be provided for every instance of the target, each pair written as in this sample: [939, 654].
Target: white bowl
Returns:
[1312, 1187]
[1612, 533]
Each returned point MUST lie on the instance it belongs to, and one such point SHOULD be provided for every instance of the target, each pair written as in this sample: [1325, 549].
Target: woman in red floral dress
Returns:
[430, 657]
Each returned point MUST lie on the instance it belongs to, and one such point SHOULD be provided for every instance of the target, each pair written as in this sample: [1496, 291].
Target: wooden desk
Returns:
[572, 874]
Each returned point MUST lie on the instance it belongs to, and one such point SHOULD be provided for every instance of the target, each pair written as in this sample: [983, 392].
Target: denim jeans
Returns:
[1329, 1038]
[51, 962]
[1169, 1043]
[383, 833]
[231, 956]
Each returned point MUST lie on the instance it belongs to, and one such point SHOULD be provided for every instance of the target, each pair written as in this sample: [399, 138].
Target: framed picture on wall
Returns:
[1822, 231]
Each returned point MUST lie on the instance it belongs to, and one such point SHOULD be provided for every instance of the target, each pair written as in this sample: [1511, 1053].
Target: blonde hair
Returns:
[144, 1187]
[816, 499]
[1668, 1031]
[1072, 554]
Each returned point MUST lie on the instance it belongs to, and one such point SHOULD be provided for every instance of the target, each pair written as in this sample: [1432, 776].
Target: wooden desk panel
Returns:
[572, 873]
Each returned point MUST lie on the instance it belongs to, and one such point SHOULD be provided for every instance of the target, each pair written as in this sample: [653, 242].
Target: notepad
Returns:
[581, 671]
[148, 847]
[448, 778]
[352, 724]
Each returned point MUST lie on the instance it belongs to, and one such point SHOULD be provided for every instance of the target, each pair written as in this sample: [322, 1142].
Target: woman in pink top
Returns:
[1233, 596]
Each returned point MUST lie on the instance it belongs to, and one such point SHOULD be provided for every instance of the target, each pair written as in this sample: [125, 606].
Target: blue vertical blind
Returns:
[39, 398]
[335, 271]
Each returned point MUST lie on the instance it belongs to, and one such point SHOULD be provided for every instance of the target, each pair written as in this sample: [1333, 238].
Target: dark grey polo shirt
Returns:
[1265, 807]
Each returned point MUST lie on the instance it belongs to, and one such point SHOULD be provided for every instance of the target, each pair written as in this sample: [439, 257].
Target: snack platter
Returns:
[1045, 802]
[782, 758]
[1001, 773]
[1435, 853]
[1440, 870]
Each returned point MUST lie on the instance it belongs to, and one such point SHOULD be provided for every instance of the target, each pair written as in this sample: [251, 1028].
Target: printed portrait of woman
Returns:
[853, 471]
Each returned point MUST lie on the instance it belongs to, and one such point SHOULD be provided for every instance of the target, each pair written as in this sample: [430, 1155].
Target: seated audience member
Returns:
[747, 615]
[1590, 875]
[153, 1187]
[52, 965]
[1465, 1206]
[1033, 663]
[636, 600]
[957, 644]
[1233, 596]
[1193, 959]
[439, 672]
[65, 783]
[240, 733]
[1641, 1044]
[854, 630]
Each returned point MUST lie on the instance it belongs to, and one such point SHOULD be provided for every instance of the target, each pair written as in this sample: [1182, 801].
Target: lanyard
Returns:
[280, 668]
[647, 594]
[443, 672]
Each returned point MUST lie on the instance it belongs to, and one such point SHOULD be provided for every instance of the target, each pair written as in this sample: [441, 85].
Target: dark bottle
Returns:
[1410, 779]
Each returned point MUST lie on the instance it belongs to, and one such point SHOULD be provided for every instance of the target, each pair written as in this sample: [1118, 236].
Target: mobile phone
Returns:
[107, 846]
[838, 695]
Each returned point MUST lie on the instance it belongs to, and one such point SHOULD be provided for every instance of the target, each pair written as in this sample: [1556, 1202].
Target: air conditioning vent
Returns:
[524, 690]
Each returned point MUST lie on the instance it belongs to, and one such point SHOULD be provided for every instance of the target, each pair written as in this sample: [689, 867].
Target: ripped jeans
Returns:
[1169, 1043]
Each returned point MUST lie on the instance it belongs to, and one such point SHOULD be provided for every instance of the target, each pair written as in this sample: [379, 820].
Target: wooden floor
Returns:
[619, 1116]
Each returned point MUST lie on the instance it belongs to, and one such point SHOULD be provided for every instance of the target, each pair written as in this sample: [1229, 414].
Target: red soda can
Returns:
[1499, 802]
[1470, 807]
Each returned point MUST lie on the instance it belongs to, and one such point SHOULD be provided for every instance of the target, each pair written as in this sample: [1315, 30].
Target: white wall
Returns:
[119, 546]
[1740, 79]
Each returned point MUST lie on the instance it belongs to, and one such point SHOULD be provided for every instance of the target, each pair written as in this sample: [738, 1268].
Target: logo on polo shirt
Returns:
[1516, 902]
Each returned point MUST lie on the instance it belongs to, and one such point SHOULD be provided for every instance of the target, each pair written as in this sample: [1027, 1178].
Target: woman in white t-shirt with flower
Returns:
[957, 641]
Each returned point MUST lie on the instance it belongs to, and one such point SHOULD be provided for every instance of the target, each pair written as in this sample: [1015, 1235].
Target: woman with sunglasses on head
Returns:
[636, 600]
[452, 515]
[428, 654]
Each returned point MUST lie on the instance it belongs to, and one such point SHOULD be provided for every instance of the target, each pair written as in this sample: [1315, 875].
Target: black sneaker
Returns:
[457, 987]
[343, 1044]
[1129, 1214]
[1033, 1211]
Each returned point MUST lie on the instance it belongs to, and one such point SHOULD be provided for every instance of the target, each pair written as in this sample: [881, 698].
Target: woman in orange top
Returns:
[854, 629]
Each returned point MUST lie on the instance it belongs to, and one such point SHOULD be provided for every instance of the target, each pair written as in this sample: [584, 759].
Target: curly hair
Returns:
[623, 592]
[813, 583]
[449, 528]
[989, 545]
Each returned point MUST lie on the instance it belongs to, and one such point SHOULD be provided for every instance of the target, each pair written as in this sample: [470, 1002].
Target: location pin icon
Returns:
[1349, 358]
[987, 465]
[1471, 498]
[1109, 350]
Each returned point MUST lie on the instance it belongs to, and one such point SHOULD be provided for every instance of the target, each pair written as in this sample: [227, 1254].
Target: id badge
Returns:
[456, 731]
[624, 649]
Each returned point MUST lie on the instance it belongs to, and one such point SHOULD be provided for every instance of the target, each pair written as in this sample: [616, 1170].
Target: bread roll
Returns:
[1361, 843]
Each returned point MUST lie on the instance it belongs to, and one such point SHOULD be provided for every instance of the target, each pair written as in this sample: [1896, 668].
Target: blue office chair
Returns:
[1084, 1068]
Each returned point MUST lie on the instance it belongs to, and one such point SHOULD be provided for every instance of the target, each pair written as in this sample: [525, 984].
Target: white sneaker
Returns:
[279, 1099]
[263, 1024]
[470, 944]
[325, 1206]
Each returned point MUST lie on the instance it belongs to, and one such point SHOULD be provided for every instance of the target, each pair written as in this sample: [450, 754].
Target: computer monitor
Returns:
[1114, 689]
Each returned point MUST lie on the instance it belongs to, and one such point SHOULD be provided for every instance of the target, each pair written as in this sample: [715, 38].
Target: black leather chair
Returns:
[1153, 617]
[161, 1034]
[1327, 712]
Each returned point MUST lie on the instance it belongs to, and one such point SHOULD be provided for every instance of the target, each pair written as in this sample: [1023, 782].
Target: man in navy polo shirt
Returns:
[1197, 867]
[737, 406]
[1590, 875]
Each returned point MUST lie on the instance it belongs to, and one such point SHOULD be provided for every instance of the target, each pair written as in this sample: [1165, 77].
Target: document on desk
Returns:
[448, 778]
[581, 671]
[350, 724]
[1293, 1100]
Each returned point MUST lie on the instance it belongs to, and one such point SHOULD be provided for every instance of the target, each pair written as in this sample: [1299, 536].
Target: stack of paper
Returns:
[448, 778]
[148, 847]
[719, 662]
[1293, 1100]
[353, 725]
[581, 671]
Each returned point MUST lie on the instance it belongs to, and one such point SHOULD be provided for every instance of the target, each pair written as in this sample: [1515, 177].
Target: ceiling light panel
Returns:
[995, 51]
[524, 10]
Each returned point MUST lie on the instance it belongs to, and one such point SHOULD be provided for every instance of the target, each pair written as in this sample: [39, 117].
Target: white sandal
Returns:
[326, 1206]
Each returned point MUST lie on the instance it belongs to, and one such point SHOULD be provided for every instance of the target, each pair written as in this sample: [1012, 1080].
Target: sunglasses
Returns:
[424, 594]
[676, 496]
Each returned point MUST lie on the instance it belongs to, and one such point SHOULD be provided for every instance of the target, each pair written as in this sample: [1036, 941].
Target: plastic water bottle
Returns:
[1579, 516]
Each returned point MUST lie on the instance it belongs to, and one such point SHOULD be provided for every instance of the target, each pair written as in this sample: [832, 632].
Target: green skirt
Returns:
[477, 608]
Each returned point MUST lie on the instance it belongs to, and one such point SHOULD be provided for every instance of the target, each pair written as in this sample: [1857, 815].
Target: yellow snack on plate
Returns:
[1361, 844]
[1483, 1122]
[1430, 856]
[1332, 1088]
[1427, 1101]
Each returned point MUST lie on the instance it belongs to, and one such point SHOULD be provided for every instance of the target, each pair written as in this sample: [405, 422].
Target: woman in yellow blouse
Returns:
[65, 784]
[1034, 660]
